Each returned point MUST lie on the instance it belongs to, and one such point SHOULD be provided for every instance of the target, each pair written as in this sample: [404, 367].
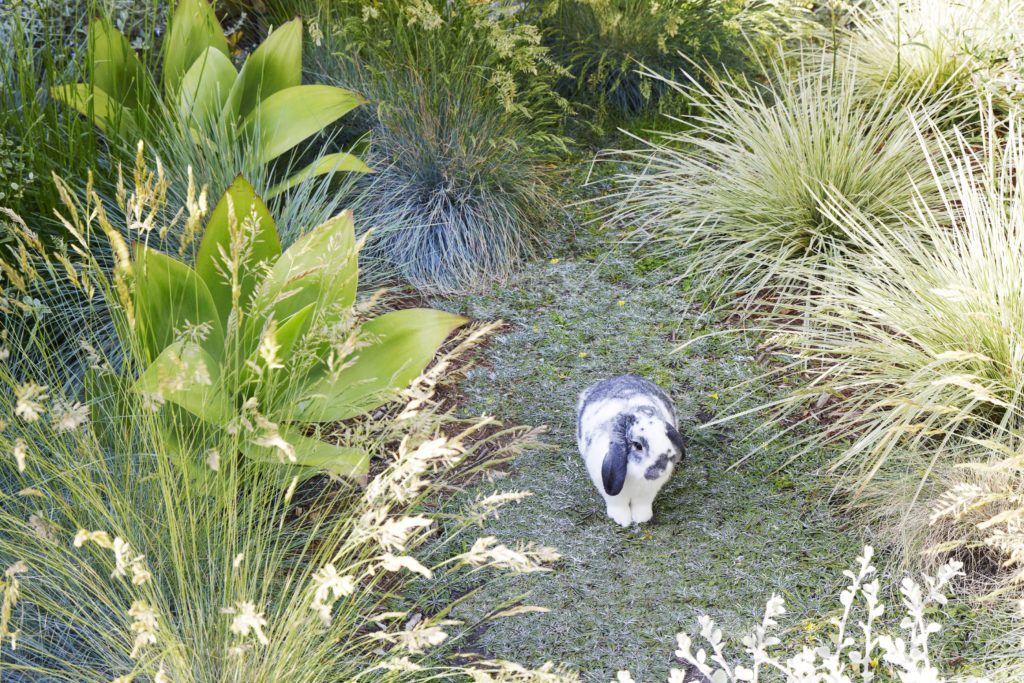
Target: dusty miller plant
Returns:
[853, 657]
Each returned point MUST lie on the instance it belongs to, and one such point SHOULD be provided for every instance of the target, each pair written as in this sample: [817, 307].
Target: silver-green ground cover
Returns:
[723, 539]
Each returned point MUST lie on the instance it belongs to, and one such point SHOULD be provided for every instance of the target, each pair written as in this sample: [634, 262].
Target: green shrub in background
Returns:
[608, 44]
[739, 197]
[451, 40]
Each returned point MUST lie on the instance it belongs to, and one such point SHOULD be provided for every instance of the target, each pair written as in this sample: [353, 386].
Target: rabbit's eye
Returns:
[636, 445]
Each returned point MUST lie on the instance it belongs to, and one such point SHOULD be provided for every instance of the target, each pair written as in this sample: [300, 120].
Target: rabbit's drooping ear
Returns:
[613, 470]
[676, 439]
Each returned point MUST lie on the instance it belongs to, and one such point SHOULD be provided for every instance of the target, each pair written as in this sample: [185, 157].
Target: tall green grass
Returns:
[739, 196]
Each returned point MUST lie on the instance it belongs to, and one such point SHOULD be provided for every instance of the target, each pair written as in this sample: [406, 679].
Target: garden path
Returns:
[722, 540]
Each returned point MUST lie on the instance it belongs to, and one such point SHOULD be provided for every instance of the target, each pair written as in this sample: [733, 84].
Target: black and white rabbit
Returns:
[626, 431]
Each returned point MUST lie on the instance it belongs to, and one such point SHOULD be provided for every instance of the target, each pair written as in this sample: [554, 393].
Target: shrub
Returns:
[460, 196]
[119, 563]
[448, 40]
[851, 655]
[739, 198]
[940, 49]
[608, 44]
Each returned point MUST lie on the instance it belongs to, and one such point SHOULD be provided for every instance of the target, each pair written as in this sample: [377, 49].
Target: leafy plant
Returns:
[255, 331]
[118, 565]
[263, 107]
[739, 197]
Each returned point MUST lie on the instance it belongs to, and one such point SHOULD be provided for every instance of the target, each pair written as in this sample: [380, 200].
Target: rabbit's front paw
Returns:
[620, 513]
[642, 513]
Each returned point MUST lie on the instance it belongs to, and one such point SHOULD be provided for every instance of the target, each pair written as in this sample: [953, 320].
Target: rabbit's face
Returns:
[652, 446]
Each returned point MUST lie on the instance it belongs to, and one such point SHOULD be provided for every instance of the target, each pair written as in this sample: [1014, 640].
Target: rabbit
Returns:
[627, 435]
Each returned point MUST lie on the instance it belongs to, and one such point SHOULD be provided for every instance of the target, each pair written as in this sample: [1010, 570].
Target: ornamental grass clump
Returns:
[939, 49]
[461, 195]
[463, 123]
[738, 197]
[910, 350]
[122, 563]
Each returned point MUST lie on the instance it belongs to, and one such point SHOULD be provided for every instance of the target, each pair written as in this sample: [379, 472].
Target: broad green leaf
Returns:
[273, 66]
[402, 343]
[265, 246]
[205, 87]
[311, 456]
[188, 376]
[169, 296]
[329, 163]
[286, 336]
[93, 103]
[115, 68]
[321, 266]
[192, 30]
[289, 116]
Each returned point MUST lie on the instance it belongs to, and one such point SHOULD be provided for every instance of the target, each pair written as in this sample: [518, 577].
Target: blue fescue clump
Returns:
[459, 197]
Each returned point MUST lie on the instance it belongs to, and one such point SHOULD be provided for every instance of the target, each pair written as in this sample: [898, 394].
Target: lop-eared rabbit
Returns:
[626, 431]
